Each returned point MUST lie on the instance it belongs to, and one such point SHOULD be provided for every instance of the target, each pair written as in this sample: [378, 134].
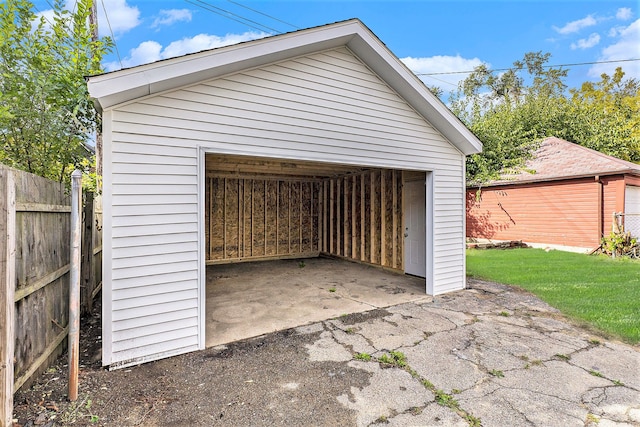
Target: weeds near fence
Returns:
[620, 244]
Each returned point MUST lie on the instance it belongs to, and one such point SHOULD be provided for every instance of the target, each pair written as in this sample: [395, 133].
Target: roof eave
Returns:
[119, 87]
[556, 178]
[388, 67]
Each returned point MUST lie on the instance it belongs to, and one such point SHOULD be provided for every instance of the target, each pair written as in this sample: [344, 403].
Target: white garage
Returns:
[312, 143]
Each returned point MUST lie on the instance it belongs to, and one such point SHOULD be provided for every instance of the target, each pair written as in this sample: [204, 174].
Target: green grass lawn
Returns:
[601, 291]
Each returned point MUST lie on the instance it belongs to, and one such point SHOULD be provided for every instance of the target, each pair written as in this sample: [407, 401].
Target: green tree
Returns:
[513, 111]
[507, 115]
[605, 116]
[46, 116]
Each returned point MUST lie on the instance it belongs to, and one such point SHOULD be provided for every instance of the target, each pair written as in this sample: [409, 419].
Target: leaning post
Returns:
[74, 284]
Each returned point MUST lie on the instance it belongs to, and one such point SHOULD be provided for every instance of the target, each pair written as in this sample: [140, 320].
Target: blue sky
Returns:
[429, 36]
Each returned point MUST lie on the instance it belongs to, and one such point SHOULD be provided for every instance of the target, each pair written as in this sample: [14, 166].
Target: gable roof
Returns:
[557, 159]
[111, 89]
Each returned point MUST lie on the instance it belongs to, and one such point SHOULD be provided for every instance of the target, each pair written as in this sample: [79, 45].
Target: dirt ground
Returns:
[243, 383]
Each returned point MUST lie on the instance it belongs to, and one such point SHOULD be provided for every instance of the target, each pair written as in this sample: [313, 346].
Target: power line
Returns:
[544, 66]
[440, 80]
[106, 15]
[230, 15]
[264, 14]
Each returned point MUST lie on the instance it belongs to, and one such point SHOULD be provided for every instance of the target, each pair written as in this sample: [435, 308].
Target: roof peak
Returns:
[121, 87]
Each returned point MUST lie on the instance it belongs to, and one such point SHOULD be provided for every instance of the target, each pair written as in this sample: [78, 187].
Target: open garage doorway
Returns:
[330, 238]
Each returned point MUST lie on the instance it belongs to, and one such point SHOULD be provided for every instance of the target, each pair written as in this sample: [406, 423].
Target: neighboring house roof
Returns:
[118, 87]
[557, 159]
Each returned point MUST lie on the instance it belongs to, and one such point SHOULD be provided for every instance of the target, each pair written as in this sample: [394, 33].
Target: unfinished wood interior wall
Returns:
[261, 217]
[363, 217]
[257, 209]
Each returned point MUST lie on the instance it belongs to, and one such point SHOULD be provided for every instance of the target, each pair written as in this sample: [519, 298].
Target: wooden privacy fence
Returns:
[34, 275]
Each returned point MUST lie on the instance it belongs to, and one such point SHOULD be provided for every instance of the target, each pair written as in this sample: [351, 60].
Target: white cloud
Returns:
[575, 26]
[614, 31]
[587, 43]
[626, 47]
[122, 17]
[151, 51]
[624, 13]
[168, 17]
[442, 64]
[206, 41]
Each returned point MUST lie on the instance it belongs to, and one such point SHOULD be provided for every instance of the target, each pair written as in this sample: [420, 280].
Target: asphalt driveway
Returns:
[488, 355]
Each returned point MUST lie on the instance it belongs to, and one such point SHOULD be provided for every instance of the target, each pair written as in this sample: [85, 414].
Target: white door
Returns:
[415, 232]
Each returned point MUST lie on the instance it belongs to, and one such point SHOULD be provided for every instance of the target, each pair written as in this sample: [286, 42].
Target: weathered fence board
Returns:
[42, 254]
[7, 290]
[91, 277]
[34, 276]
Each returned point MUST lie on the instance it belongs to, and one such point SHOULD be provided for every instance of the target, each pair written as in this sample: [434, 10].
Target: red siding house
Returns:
[566, 198]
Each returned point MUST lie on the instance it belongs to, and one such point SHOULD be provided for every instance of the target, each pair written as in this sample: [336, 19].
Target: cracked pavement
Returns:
[489, 355]
[498, 356]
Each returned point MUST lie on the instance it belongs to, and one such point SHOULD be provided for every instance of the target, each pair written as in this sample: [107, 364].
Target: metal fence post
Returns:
[74, 284]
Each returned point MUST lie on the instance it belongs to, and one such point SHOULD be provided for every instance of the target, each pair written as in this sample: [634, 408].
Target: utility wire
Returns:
[544, 66]
[106, 15]
[225, 13]
[264, 14]
[440, 80]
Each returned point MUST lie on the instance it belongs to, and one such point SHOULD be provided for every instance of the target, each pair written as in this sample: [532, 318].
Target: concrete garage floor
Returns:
[250, 299]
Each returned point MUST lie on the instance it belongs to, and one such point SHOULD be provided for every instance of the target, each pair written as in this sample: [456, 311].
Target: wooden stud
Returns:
[353, 216]
[372, 209]
[264, 258]
[394, 182]
[324, 216]
[210, 182]
[345, 219]
[338, 217]
[300, 194]
[7, 290]
[224, 219]
[331, 202]
[320, 217]
[383, 215]
[253, 183]
[289, 220]
[362, 235]
[311, 213]
[244, 219]
[215, 174]
[278, 217]
[240, 213]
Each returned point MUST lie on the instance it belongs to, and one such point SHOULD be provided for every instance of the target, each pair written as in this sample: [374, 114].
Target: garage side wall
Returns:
[326, 107]
[363, 217]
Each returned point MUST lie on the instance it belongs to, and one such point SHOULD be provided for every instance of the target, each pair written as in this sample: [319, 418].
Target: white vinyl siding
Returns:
[325, 107]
